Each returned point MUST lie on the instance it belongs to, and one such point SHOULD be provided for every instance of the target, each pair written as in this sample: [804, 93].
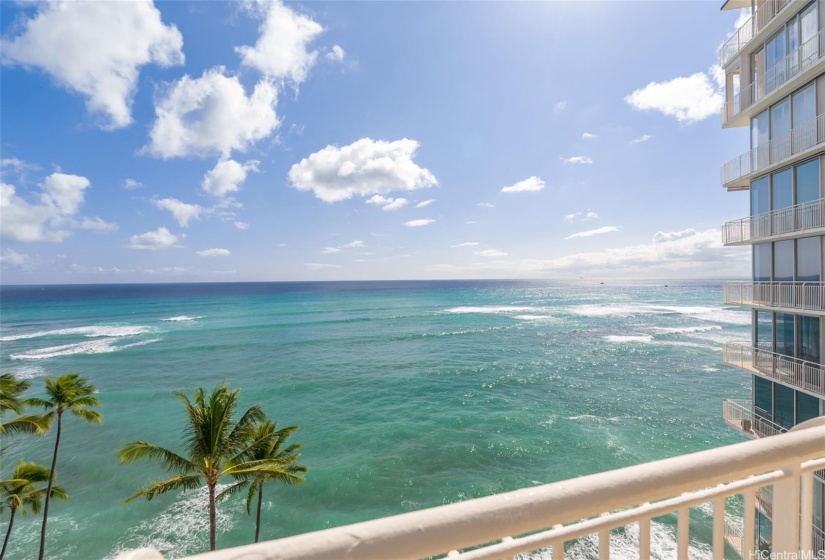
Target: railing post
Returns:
[786, 498]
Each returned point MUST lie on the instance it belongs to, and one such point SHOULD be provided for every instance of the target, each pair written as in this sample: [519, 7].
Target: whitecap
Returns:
[180, 318]
[613, 419]
[631, 338]
[687, 330]
[92, 331]
[102, 346]
[608, 310]
[495, 309]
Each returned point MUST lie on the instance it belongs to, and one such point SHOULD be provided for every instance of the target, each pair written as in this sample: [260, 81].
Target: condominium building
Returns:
[774, 68]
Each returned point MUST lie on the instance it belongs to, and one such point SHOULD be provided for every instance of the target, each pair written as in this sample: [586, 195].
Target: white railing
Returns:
[793, 219]
[800, 59]
[742, 415]
[764, 500]
[807, 376]
[544, 518]
[763, 15]
[818, 540]
[802, 296]
[779, 149]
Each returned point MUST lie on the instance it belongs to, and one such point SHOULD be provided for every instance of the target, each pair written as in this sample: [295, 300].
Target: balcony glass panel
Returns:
[762, 262]
[783, 261]
[809, 339]
[764, 330]
[782, 189]
[807, 181]
[784, 334]
[783, 406]
[808, 259]
[763, 396]
[761, 196]
[807, 407]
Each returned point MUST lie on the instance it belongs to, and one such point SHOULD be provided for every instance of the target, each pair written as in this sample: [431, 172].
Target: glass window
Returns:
[764, 531]
[782, 189]
[808, 259]
[764, 330]
[783, 260]
[780, 119]
[763, 396]
[809, 339]
[775, 49]
[804, 106]
[807, 407]
[808, 23]
[762, 262]
[807, 182]
[783, 405]
[760, 134]
[784, 334]
[761, 196]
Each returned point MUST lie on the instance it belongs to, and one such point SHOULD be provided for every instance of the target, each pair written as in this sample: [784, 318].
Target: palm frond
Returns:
[189, 482]
[90, 416]
[30, 424]
[138, 450]
[231, 490]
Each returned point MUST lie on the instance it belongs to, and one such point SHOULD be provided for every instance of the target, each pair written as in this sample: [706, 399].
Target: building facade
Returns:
[775, 84]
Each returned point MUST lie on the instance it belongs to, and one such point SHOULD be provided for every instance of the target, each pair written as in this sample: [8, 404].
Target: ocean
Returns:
[409, 395]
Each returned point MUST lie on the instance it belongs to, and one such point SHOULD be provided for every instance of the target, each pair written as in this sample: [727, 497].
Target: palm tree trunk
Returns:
[8, 533]
[213, 521]
[258, 519]
[49, 489]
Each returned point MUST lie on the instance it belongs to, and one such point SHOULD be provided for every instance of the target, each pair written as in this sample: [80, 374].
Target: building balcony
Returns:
[763, 15]
[541, 519]
[786, 223]
[782, 297]
[808, 377]
[806, 60]
[797, 143]
[751, 421]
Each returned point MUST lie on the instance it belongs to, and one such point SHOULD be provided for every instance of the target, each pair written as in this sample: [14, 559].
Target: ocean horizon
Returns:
[410, 394]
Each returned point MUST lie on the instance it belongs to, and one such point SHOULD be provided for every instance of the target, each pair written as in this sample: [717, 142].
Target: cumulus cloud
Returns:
[211, 115]
[241, 225]
[282, 51]
[97, 224]
[213, 253]
[387, 204]
[96, 49]
[10, 257]
[49, 219]
[227, 177]
[486, 205]
[419, 223]
[424, 203]
[578, 160]
[688, 99]
[336, 54]
[131, 184]
[363, 168]
[589, 136]
[491, 253]
[592, 232]
[560, 106]
[466, 244]
[357, 244]
[181, 211]
[531, 184]
[642, 138]
[589, 215]
[161, 238]
[331, 250]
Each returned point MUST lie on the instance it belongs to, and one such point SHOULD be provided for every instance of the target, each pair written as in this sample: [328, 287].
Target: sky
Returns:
[264, 141]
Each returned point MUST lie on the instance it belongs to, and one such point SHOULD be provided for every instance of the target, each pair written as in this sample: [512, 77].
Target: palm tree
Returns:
[216, 446]
[270, 446]
[21, 491]
[11, 390]
[68, 392]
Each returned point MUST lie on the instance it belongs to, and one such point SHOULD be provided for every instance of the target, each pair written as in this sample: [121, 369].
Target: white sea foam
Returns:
[535, 317]
[608, 310]
[102, 346]
[709, 369]
[93, 331]
[29, 372]
[631, 338]
[180, 318]
[591, 417]
[687, 330]
[494, 309]
[704, 313]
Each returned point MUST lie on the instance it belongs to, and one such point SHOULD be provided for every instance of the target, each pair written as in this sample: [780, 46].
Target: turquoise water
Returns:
[410, 395]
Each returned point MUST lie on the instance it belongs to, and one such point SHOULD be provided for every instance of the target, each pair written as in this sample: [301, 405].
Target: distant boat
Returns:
[601, 282]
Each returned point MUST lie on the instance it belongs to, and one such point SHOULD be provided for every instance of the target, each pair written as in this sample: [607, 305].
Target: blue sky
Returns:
[218, 141]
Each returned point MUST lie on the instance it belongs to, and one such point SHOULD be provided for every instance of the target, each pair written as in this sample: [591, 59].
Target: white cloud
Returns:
[182, 211]
[282, 48]
[387, 204]
[365, 167]
[589, 215]
[491, 253]
[96, 49]
[560, 106]
[486, 205]
[97, 224]
[211, 115]
[589, 136]
[131, 184]
[48, 220]
[424, 203]
[592, 232]
[466, 244]
[213, 253]
[531, 184]
[419, 223]
[336, 54]
[321, 266]
[241, 225]
[642, 138]
[688, 99]
[578, 160]
[357, 244]
[227, 177]
[12, 258]
[161, 238]
[331, 250]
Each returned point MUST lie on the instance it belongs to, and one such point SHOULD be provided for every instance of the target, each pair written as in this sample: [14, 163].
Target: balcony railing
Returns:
[793, 219]
[779, 149]
[799, 60]
[807, 376]
[544, 518]
[801, 296]
[762, 16]
[742, 415]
